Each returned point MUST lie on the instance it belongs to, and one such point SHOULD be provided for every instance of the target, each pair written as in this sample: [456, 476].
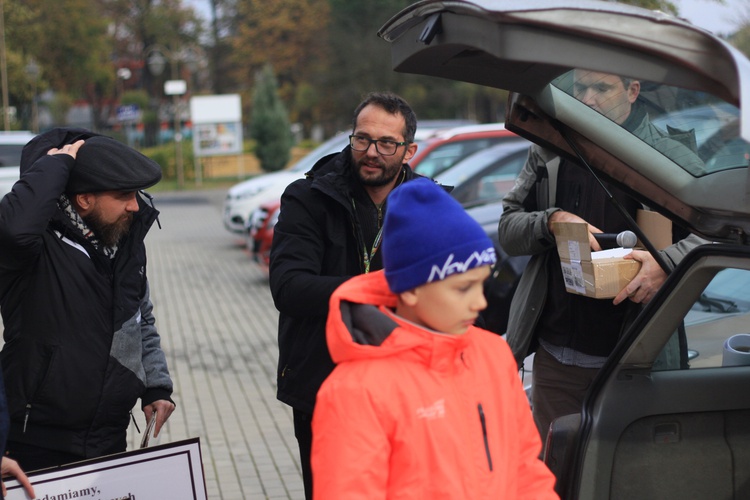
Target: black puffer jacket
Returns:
[80, 342]
[316, 247]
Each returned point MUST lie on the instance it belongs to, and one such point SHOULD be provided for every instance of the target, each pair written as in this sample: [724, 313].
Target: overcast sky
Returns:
[720, 19]
[708, 14]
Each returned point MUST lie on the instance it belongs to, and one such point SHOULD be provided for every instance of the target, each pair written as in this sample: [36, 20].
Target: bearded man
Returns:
[80, 342]
[329, 229]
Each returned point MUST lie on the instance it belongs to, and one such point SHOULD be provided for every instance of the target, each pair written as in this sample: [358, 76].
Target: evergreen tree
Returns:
[269, 125]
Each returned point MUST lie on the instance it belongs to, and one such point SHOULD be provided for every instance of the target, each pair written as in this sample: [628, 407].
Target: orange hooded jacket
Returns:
[412, 414]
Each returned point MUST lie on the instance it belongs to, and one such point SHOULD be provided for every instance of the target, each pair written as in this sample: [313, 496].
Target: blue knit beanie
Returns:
[428, 236]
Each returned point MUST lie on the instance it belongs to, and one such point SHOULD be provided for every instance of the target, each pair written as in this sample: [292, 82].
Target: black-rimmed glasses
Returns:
[382, 146]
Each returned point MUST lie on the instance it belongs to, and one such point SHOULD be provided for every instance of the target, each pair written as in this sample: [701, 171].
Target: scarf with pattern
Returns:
[64, 203]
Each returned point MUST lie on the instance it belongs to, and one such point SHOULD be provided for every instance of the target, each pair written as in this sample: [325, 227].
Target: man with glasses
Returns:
[329, 230]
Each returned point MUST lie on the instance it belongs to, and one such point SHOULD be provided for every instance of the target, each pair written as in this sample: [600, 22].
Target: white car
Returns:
[11, 144]
[244, 198]
[667, 416]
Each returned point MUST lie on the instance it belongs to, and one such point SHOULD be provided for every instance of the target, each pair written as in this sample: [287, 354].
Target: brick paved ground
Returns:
[218, 326]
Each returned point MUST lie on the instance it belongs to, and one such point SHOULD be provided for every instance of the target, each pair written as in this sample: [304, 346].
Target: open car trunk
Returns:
[654, 426]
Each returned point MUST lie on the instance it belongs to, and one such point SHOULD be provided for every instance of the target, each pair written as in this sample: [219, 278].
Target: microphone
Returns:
[625, 239]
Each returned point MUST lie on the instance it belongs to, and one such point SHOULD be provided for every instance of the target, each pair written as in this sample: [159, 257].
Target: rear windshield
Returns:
[697, 131]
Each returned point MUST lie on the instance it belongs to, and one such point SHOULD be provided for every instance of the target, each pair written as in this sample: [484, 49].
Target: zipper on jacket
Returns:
[484, 435]
[26, 417]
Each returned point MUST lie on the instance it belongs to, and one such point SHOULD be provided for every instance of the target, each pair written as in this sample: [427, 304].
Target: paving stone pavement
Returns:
[218, 325]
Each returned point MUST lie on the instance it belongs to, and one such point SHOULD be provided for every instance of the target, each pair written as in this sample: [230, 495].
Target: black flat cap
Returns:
[102, 163]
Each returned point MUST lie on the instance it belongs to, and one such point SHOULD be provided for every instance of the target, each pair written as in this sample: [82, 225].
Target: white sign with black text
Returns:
[172, 470]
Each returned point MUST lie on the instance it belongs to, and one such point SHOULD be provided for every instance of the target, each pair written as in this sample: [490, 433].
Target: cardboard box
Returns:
[656, 227]
[600, 275]
[603, 274]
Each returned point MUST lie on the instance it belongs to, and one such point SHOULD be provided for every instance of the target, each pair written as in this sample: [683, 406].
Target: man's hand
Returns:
[163, 409]
[9, 467]
[563, 216]
[646, 283]
[68, 149]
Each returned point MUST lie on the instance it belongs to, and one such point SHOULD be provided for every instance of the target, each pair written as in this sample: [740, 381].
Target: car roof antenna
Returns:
[633, 225]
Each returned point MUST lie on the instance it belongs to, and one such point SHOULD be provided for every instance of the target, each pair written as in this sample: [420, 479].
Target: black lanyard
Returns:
[368, 256]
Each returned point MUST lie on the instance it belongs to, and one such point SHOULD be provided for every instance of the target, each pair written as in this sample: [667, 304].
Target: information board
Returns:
[173, 470]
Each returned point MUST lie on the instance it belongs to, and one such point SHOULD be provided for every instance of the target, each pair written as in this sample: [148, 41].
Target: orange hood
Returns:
[361, 326]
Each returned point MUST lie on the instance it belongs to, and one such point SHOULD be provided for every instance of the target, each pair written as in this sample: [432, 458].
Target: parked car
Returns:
[651, 426]
[260, 232]
[444, 147]
[486, 175]
[245, 197]
[11, 144]
[439, 146]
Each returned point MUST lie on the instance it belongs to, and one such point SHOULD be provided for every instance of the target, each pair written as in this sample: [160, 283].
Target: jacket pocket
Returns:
[45, 386]
[27, 373]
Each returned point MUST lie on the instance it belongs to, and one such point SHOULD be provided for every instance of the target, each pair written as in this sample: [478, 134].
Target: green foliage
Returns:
[283, 33]
[165, 156]
[59, 107]
[325, 54]
[269, 125]
[75, 51]
[137, 97]
[662, 5]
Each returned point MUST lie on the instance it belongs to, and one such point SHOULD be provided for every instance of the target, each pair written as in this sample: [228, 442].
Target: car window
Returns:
[492, 183]
[496, 184]
[446, 155]
[10, 155]
[721, 312]
[332, 145]
[695, 130]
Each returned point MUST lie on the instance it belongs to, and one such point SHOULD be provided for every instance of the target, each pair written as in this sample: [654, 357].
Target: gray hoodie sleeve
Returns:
[523, 232]
[158, 381]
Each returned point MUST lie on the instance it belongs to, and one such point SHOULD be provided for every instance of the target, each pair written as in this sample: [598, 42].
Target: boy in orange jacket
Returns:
[422, 404]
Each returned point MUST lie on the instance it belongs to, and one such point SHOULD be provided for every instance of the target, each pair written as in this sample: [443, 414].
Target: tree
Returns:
[270, 125]
[283, 33]
[142, 28]
[73, 49]
[662, 5]
[223, 28]
[741, 37]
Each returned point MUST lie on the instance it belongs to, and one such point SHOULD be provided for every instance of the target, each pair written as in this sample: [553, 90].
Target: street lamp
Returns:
[125, 114]
[32, 69]
[157, 61]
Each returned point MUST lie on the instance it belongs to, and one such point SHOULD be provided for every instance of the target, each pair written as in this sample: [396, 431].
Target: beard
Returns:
[109, 233]
[389, 169]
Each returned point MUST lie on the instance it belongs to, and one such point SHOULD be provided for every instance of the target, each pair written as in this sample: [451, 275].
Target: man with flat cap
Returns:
[81, 346]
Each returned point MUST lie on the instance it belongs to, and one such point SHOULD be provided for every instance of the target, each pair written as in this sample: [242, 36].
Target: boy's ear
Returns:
[409, 297]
